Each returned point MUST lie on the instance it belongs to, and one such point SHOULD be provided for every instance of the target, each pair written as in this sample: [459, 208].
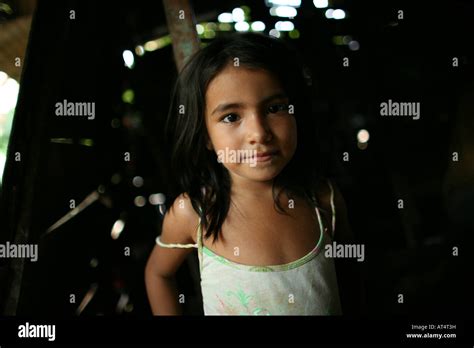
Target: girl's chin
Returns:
[258, 174]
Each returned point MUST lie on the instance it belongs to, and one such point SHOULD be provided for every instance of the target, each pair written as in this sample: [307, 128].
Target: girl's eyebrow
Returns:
[227, 106]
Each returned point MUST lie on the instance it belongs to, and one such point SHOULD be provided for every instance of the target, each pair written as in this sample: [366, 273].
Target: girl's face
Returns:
[250, 124]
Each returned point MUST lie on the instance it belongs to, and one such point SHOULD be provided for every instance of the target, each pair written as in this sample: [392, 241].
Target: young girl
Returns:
[253, 201]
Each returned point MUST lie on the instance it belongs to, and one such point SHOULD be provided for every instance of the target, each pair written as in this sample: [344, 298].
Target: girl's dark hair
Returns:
[199, 174]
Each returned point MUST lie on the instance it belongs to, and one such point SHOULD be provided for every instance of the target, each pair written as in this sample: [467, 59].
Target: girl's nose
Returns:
[258, 129]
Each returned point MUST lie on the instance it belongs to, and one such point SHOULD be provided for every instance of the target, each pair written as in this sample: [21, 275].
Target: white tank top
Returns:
[307, 286]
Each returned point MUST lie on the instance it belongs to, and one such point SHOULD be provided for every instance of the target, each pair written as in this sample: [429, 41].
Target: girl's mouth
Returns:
[265, 156]
[257, 157]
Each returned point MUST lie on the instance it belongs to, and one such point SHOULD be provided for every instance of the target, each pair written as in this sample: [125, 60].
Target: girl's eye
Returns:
[277, 108]
[231, 118]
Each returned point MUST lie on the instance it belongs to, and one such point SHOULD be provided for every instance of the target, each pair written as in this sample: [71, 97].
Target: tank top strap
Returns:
[333, 209]
[199, 241]
[173, 245]
[320, 221]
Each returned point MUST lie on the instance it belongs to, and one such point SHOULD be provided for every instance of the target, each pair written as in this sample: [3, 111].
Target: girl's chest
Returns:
[263, 237]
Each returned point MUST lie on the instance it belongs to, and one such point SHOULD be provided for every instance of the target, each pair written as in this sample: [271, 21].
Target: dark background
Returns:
[408, 251]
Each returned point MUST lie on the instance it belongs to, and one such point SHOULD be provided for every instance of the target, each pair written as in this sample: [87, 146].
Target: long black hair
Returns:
[199, 174]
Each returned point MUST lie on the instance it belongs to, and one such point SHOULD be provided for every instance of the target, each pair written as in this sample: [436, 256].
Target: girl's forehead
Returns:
[241, 81]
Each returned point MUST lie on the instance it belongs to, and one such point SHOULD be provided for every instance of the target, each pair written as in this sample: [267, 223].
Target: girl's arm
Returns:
[349, 270]
[179, 225]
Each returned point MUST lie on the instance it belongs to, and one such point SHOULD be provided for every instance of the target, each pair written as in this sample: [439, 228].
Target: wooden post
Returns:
[182, 28]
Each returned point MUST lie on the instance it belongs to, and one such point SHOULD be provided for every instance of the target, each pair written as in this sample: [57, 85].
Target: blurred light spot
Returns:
[363, 136]
[242, 26]
[338, 40]
[238, 15]
[294, 34]
[346, 39]
[3, 160]
[225, 17]
[3, 77]
[199, 29]
[294, 3]
[101, 189]
[283, 11]
[122, 302]
[354, 45]
[139, 201]
[62, 140]
[246, 10]
[338, 14]
[140, 50]
[329, 13]
[211, 26]
[137, 181]
[6, 8]
[157, 43]
[117, 228]
[151, 46]
[86, 142]
[258, 26]
[209, 34]
[128, 58]
[115, 123]
[157, 198]
[224, 26]
[320, 3]
[94, 262]
[362, 146]
[128, 96]
[116, 178]
[284, 26]
[9, 89]
[275, 33]
[128, 307]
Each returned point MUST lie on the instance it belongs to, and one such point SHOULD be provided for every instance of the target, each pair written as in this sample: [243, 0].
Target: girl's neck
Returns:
[248, 189]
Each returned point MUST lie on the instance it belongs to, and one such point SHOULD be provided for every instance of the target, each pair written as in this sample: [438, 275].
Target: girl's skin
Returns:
[253, 228]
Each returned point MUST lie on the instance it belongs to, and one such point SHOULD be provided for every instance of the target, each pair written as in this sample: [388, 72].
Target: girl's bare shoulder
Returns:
[181, 220]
